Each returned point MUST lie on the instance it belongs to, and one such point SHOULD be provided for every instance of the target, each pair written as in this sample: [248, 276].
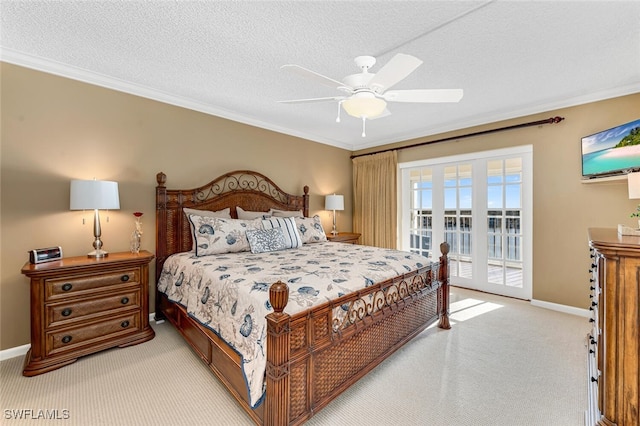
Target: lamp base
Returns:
[334, 232]
[98, 254]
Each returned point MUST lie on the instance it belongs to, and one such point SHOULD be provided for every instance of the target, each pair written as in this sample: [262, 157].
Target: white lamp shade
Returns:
[633, 182]
[94, 194]
[334, 202]
[368, 107]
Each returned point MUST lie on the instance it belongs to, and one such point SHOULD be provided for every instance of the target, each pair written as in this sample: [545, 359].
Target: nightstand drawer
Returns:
[344, 237]
[64, 287]
[73, 338]
[66, 312]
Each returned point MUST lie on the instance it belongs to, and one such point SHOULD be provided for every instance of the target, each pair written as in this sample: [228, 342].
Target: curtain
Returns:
[375, 199]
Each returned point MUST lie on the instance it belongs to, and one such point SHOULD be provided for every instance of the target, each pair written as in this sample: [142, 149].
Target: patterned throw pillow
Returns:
[310, 229]
[265, 240]
[288, 225]
[214, 235]
[224, 213]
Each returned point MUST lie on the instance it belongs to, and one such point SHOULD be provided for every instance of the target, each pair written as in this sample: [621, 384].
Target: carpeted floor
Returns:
[503, 362]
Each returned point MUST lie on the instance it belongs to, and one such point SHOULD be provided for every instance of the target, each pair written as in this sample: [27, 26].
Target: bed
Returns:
[310, 354]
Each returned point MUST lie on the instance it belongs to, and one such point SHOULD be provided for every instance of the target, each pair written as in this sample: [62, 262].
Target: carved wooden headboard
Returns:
[252, 191]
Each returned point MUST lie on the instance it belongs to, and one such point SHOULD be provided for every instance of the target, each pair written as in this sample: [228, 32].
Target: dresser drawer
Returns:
[67, 312]
[74, 338]
[64, 287]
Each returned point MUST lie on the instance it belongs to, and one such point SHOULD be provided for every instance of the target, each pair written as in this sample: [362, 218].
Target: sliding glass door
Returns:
[481, 205]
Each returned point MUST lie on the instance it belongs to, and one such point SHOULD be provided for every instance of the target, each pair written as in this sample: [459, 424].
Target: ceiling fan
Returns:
[366, 94]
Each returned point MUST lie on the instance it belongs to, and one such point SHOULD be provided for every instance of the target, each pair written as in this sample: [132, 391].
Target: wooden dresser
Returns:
[614, 341]
[82, 305]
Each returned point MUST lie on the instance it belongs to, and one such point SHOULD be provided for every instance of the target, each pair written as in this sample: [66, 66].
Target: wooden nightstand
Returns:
[344, 237]
[82, 305]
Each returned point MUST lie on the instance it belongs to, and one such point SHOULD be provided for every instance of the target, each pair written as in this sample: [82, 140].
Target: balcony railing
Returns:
[502, 244]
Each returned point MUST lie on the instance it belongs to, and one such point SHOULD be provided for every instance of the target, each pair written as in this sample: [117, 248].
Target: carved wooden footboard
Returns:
[315, 355]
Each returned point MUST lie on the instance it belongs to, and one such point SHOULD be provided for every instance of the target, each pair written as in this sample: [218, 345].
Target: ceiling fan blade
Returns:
[423, 95]
[319, 78]
[398, 68]
[311, 100]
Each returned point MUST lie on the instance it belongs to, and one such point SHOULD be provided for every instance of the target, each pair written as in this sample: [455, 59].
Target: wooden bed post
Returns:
[161, 236]
[443, 277]
[276, 409]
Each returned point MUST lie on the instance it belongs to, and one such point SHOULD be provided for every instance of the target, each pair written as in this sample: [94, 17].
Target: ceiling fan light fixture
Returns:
[367, 107]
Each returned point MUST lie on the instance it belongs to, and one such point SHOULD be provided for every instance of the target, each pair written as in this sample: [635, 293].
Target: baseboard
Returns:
[22, 350]
[561, 308]
[14, 352]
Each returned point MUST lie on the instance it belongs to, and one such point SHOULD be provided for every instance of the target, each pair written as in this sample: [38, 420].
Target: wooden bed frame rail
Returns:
[314, 355]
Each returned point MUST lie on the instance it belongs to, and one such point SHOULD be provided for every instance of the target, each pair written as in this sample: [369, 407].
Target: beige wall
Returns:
[55, 129]
[563, 207]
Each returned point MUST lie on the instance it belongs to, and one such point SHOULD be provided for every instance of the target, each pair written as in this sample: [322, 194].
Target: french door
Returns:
[481, 204]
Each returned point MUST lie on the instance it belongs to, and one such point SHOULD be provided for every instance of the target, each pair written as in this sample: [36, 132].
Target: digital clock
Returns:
[45, 254]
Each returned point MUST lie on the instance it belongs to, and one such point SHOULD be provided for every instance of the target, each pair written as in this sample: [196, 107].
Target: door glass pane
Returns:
[421, 214]
[458, 201]
[504, 213]
[512, 195]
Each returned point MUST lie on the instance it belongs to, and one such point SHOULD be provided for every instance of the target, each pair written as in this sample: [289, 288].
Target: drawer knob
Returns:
[124, 300]
[124, 278]
[66, 312]
[66, 339]
[593, 379]
[66, 287]
[124, 324]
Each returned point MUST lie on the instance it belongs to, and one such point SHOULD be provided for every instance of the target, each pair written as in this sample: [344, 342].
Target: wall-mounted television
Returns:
[611, 152]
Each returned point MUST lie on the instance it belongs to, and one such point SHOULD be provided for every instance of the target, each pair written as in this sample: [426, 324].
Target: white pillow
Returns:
[285, 213]
[289, 230]
[214, 235]
[310, 229]
[224, 213]
[248, 215]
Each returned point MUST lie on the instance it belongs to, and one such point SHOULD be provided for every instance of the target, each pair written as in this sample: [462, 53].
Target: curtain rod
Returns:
[551, 120]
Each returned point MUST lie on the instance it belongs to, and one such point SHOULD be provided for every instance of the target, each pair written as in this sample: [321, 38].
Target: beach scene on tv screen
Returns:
[612, 150]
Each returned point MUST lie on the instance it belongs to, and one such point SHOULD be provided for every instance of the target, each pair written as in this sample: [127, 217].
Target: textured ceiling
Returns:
[512, 58]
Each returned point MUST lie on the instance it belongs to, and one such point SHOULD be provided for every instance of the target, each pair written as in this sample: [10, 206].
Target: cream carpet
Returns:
[503, 362]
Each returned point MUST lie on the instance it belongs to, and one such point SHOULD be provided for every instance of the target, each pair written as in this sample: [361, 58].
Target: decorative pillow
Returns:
[224, 213]
[289, 230]
[248, 215]
[285, 213]
[311, 229]
[214, 235]
[265, 240]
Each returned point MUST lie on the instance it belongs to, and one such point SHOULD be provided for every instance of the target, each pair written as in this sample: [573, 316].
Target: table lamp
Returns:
[94, 195]
[334, 202]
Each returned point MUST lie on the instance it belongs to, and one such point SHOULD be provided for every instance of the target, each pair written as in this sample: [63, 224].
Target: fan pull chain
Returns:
[339, 107]
[364, 119]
